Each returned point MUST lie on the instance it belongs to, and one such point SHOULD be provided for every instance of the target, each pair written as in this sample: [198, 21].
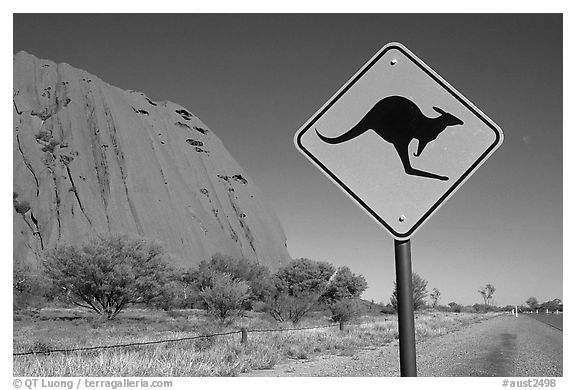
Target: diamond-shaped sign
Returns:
[398, 139]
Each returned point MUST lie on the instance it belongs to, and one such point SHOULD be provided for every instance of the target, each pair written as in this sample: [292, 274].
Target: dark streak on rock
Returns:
[35, 221]
[144, 112]
[121, 165]
[77, 196]
[16, 107]
[99, 155]
[27, 163]
[57, 204]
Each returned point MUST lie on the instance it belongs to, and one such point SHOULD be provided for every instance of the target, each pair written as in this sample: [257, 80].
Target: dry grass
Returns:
[216, 356]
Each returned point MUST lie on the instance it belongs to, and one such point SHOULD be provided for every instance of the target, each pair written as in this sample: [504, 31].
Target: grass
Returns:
[214, 356]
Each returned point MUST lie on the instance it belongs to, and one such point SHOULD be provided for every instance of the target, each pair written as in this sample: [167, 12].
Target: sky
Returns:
[255, 79]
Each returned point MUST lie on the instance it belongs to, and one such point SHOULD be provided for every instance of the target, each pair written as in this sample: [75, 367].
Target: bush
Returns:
[255, 275]
[29, 290]
[283, 306]
[225, 296]
[304, 275]
[481, 308]
[343, 285]
[455, 307]
[345, 309]
[443, 308]
[108, 273]
[553, 305]
[297, 288]
[468, 309]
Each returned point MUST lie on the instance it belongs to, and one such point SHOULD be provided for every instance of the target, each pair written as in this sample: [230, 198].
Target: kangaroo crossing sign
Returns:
[398, 139]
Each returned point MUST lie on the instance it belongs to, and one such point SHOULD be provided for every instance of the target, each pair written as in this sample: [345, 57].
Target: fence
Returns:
[243, 332]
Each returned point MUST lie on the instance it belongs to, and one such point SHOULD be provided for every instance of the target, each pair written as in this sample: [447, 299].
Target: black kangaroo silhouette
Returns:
[399, 120]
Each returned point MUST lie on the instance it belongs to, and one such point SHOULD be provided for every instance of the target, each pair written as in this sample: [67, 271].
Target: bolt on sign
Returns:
[398, 139]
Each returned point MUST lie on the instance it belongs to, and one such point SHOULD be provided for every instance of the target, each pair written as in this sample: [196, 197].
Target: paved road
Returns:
[554, 320]
[502, 346]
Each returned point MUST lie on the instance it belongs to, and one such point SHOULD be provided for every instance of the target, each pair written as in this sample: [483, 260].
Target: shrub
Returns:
[532, 303]
[255, 275]
[283, 306]
[481, 308]
[455, 307]
[553, 305]
[225, 296]
[296, 289]
[108, 273]
[345, 309]
[29, 289]
[343, 285]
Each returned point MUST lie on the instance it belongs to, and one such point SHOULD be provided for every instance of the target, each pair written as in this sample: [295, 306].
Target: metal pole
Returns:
[405, 307]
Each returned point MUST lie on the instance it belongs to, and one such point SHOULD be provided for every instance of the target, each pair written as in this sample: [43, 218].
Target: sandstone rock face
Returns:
[92, 158]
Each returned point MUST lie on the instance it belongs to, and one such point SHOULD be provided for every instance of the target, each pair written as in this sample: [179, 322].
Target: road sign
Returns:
[398, 139]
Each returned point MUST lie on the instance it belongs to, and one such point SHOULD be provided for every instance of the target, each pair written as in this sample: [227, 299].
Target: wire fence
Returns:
[243, 331]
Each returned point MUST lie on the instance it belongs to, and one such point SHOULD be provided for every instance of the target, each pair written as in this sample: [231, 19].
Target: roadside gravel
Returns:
[501, 346]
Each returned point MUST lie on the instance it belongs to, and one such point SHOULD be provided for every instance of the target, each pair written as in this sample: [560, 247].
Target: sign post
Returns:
[399, 140]
[405, 305]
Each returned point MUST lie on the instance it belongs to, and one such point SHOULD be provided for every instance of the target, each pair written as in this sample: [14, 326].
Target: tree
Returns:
[435, 296]
[107, 273]
[487, 293]
[419, 292]
[297, 287]
[345, 309]
[305, 275]
[532, 303]
[343, 285]
[255, 275]
[481, 308]
[225, 295]
[455, 307]
[553, 305]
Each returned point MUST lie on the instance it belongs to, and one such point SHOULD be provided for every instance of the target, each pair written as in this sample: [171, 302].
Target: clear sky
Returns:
[255, 79]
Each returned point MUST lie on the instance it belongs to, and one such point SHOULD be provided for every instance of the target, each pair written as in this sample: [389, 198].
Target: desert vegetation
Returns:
[120, 290]
[50, 329]
[533, 305]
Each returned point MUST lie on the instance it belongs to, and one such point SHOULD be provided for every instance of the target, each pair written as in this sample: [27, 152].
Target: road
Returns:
[502, 346]
[554, 320]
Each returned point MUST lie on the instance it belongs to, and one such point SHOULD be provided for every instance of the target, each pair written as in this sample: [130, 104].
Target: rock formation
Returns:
[90, 158]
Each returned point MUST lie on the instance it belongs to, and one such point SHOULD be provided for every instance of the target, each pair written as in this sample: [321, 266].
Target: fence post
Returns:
[341, 326]
[244, 338]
